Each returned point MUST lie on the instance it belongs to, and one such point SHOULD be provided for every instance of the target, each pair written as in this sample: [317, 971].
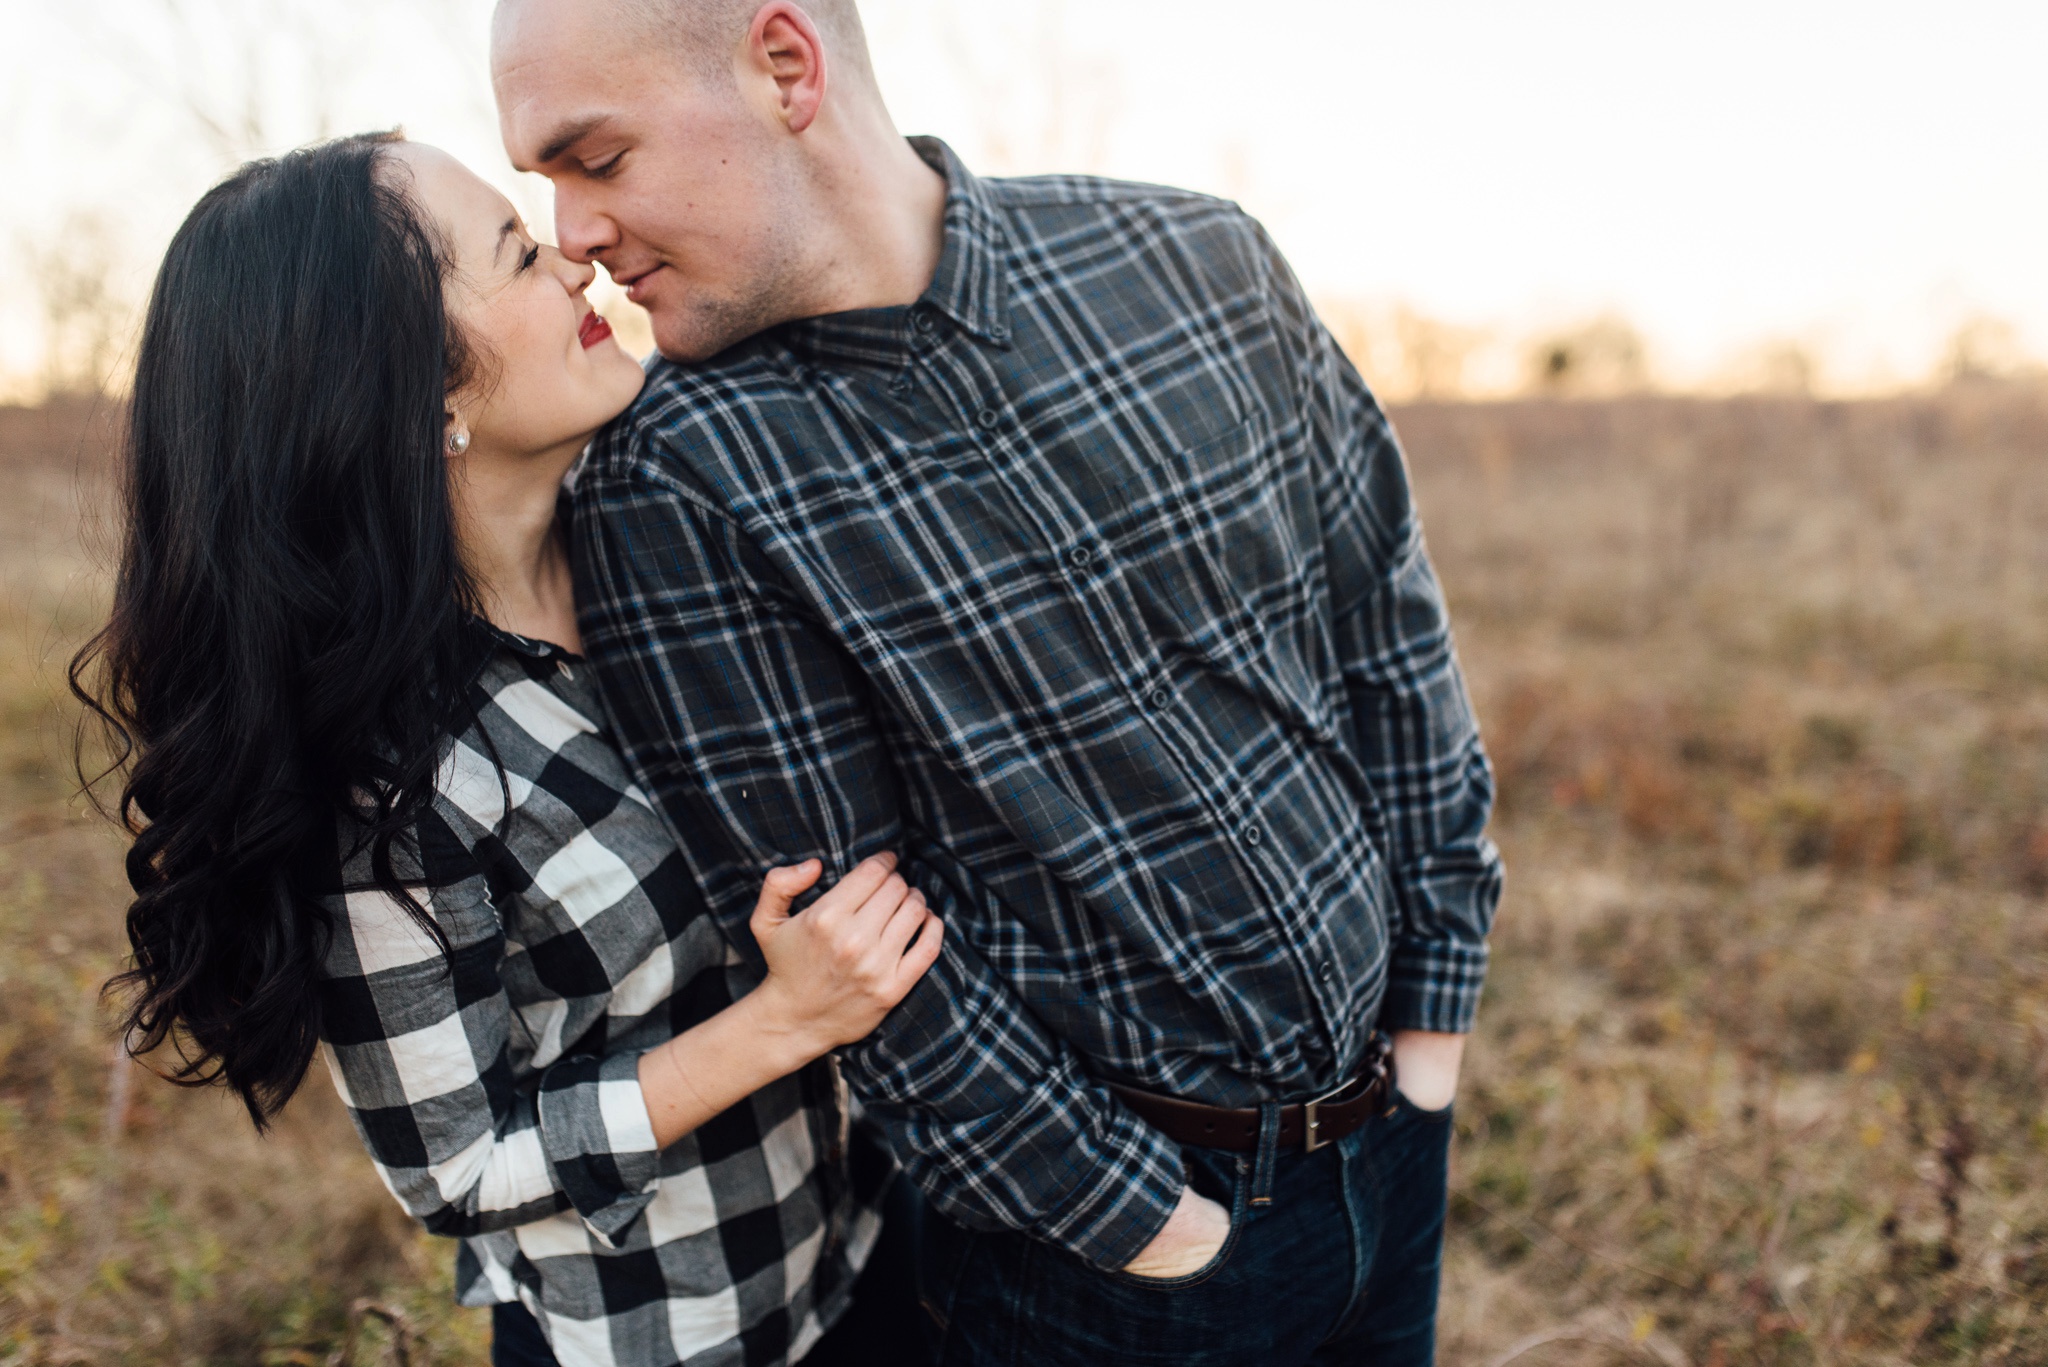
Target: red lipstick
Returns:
[594, 329]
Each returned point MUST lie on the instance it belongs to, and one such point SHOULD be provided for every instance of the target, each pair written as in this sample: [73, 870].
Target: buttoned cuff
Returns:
[1071, 1167]
[596, 1132]
[1115, 1208]
[1434, 985]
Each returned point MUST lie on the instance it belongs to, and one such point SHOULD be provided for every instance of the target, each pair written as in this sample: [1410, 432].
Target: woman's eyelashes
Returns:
[532, 255]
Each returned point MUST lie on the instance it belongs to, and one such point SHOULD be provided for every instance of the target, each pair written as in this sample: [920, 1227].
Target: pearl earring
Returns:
[458, 441]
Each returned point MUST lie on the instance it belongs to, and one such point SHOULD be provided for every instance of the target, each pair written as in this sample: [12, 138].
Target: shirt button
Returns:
[921, 319]
[1160, 698]
[563, 666]
[1323, 970]
[1080, 555]
[1253, 835]
[988, 417]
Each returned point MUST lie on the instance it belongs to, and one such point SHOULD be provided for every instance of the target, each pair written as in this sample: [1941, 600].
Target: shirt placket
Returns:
[970, 387]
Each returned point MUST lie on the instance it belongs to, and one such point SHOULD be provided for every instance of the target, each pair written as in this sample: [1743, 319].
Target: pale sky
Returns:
[1859, 179]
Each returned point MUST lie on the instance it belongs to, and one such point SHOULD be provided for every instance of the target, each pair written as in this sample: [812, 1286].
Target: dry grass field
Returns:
[1760, 1076]
[140, 1224]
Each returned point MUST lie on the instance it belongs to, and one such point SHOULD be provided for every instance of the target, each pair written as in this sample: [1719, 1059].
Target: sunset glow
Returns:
[1853, 183]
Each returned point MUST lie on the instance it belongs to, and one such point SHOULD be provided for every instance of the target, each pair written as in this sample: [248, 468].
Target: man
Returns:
[1038, 530]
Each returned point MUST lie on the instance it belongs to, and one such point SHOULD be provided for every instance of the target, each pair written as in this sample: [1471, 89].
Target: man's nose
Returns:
[583, 232]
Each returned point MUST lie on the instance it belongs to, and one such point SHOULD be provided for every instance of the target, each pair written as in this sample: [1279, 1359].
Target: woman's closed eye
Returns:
[532, 255]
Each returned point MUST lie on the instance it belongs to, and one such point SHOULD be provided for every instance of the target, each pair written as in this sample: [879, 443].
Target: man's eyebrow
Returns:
[511, 227]
[568, 135]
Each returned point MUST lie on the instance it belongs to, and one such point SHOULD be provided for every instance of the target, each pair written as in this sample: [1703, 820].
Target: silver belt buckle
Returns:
[1311, 1123]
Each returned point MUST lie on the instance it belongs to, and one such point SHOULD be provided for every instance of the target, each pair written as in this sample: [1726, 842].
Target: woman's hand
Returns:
[836, 968]
[834, 971]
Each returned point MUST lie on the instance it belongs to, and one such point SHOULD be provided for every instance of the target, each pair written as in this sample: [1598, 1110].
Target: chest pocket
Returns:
[1221, 546]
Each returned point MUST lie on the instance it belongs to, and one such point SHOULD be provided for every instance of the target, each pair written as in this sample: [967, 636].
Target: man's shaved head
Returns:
[706, 32]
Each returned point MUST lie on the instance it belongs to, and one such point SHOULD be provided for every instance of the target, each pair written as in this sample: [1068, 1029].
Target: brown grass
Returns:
[1760, 1075]
[140, 1224]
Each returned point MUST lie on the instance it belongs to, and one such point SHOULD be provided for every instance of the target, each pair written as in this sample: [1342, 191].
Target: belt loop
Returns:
[1269, 1150]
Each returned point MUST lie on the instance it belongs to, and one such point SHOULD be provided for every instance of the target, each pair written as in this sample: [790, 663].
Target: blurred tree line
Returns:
[226, 80]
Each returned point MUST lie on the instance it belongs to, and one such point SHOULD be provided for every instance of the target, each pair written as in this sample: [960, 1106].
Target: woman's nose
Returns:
[577, 275]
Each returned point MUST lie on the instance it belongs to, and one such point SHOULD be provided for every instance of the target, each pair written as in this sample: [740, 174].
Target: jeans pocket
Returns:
[1240, 1216]
[1439, 1116]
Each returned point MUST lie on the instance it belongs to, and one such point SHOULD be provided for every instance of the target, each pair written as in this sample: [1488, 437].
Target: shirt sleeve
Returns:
[416, 1042]
[761, 738]
[1412, 725]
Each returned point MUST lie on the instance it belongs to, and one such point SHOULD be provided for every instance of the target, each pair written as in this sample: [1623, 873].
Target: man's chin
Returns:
[686, 350]
[692, 335]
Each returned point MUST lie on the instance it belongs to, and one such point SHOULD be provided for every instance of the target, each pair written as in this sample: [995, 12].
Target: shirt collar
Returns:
[972, 283]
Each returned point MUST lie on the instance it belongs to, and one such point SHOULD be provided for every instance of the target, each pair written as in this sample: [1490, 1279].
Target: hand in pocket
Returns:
[1194, 1234]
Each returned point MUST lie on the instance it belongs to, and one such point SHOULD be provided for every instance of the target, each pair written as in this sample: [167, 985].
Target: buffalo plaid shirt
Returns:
[1092, 584]
[497, 1087]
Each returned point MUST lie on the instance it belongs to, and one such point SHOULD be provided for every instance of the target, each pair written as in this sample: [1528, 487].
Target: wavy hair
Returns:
[291, 625]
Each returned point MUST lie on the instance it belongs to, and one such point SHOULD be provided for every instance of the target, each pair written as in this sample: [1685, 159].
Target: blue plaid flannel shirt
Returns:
[1091, 583]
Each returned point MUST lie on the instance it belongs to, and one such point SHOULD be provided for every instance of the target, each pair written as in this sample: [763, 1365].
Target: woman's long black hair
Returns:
[290, 627]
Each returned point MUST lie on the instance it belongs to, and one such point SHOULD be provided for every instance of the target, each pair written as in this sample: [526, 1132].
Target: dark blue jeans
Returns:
[1341, 1267]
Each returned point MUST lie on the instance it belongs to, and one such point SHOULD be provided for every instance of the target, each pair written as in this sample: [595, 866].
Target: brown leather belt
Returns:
[1307, 1126]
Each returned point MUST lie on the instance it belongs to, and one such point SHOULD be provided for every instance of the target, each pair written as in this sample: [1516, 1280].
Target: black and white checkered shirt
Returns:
[499, 1094]
[1091, 583]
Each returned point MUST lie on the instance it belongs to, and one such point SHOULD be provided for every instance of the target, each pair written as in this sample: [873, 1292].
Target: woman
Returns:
[378, 812]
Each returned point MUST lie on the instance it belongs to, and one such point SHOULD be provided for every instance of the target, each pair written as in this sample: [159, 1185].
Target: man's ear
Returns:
[785, 46]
